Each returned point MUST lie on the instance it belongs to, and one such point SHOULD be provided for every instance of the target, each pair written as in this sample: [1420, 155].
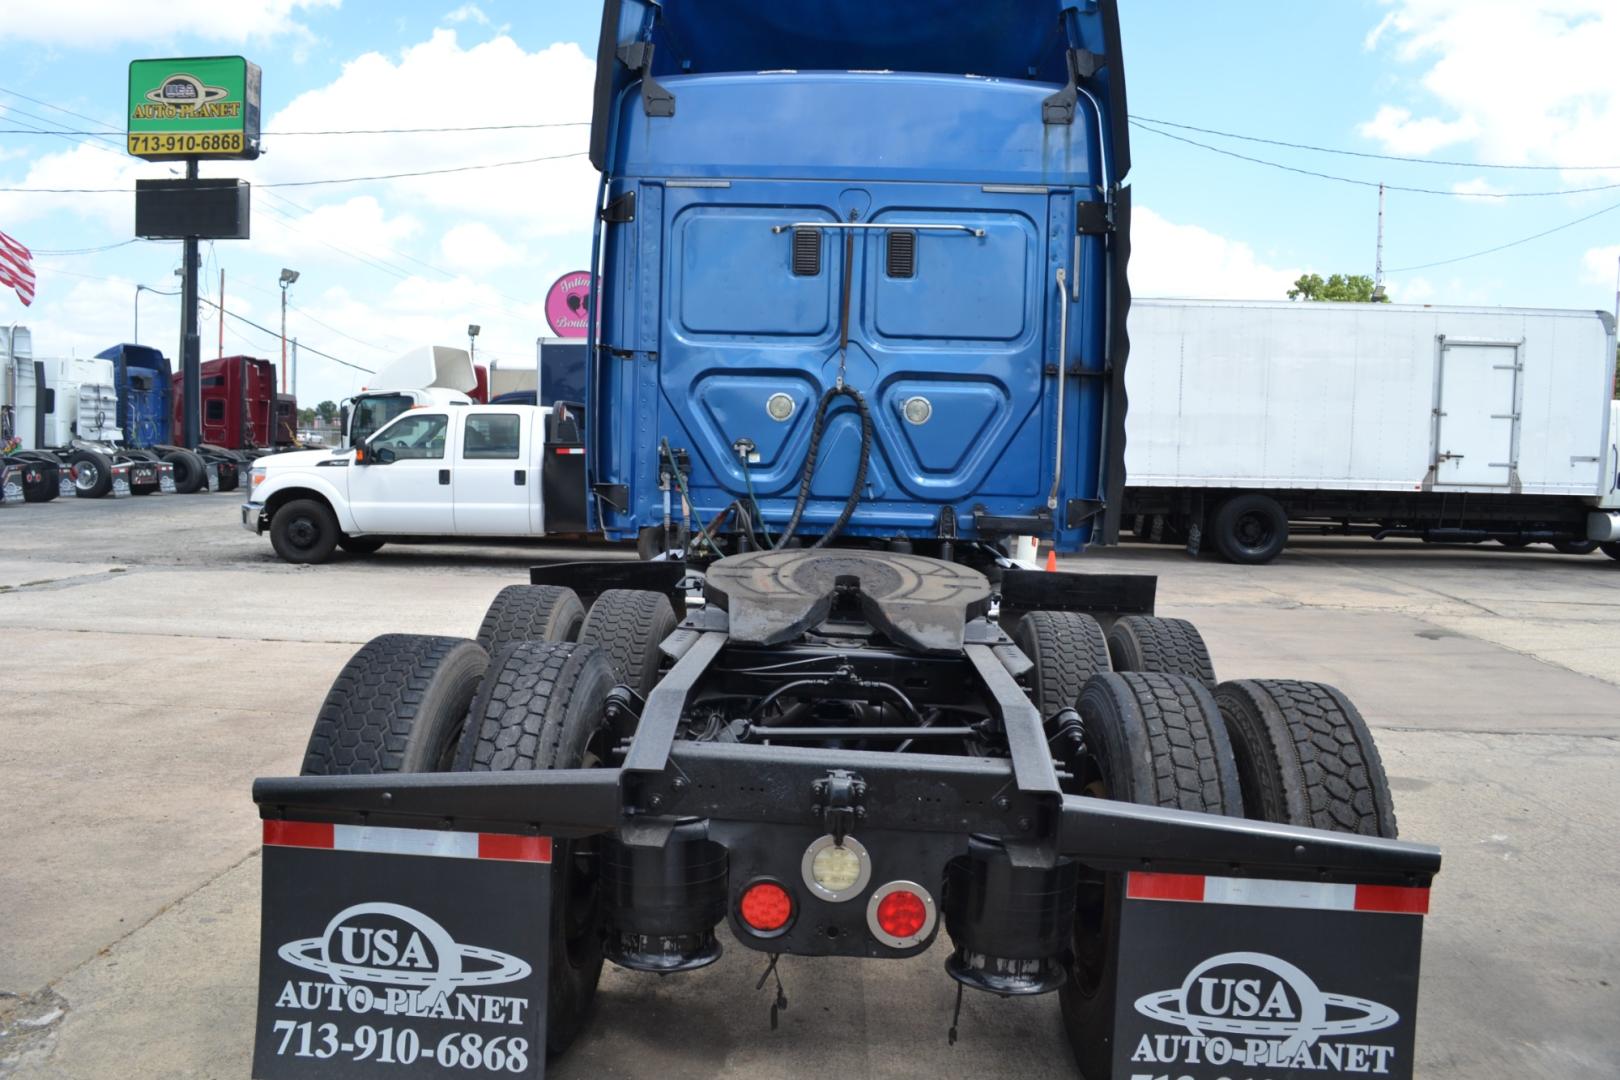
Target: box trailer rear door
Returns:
[1477, 413]
[495, 476]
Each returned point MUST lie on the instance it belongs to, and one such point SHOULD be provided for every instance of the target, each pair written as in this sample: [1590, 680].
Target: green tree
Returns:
[1356, 288]
[306, 417]
[326, 410]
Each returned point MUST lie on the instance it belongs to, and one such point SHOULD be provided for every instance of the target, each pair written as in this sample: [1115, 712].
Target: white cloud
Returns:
[1524, 81]
[94, 23]
[467, 13]
[1189, 261]
[1479, 186]
[1599, 265]
[359, 225]
[1417, 290]
[473, 245]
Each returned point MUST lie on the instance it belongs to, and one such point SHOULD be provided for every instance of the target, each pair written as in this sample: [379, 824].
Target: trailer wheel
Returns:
[531, 613]
[398, 705]
[628, 625]
[1151, 738]
[1067, 648]
[1305, 757]
[92, 473]
[1515, 544]
[360, 545]
[1170, 646]
[1250, 529]
[1575, 547]
[541, 707]
[190, 474]
[1611, 549]
[304, 531]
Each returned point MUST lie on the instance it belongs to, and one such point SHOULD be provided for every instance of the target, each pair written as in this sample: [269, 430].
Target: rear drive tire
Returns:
[1611, 549]
[541, 707]
[1575, 547]
[398, 705]
[1250, 529]
[360, 545]
[304, 531]
[628, 625]
[531, 613]
[1170, 646]
[1305, 757]
[1157, 740]
[1067, 649]
[190, 473]
[92, 476]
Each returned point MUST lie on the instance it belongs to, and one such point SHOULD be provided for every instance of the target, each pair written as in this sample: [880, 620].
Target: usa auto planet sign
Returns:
[1247, 991]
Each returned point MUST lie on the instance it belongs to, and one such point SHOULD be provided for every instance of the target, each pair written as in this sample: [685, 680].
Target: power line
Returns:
[1369, 183]
[332, 180]
[89, 250]
[262, 329]
[1379, 157]
[103, 132]
[1510, 243]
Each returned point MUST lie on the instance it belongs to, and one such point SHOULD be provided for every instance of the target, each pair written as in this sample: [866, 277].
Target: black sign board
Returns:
[176, 208]
[375, 963]
[1259, 980]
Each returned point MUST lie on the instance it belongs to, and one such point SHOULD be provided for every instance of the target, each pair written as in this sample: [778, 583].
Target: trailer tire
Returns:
[541, 707]
[1575, 547]
[92, 473]
[628, 625]
[304, 531]
[1155, 739]
[398, 706]
[1611, 549]
[1169, 646]
[360, 545]
[1250, 529]
[1515, 544]
[1067, 649]
[190, 473]
[1305, 757]
[531, 613]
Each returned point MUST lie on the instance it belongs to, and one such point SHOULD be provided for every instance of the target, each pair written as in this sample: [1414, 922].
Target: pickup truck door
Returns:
[409, 495]
[497, 473]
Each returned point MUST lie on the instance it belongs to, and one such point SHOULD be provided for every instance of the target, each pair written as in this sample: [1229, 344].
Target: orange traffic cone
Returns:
[1051, 560]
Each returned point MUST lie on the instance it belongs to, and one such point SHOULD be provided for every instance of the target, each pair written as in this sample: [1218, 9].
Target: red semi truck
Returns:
[241, 409]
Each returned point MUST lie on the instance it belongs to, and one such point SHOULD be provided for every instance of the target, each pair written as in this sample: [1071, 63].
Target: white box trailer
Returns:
[1444, 423]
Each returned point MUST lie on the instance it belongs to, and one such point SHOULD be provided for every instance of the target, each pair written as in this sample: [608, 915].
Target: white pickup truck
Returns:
[435, 472]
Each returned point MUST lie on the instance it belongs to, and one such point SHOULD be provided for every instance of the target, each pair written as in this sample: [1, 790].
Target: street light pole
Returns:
[287, 278]
[472, 341]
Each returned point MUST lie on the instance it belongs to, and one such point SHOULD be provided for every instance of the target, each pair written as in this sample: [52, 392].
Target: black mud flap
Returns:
[405, 953]
[1250, 979]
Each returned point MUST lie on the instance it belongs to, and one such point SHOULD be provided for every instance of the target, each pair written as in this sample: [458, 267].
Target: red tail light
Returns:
[901, 914]
[765, 907]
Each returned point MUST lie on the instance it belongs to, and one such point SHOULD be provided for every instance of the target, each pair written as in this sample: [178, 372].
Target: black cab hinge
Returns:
[1093, 218]
[655, 100]
[1059, 107]
[1080, 511]
[620, 210]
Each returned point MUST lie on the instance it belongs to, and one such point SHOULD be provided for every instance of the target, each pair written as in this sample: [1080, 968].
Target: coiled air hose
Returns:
[822, 410]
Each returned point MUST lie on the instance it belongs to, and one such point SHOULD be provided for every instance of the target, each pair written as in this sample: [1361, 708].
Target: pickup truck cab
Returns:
[433, 472]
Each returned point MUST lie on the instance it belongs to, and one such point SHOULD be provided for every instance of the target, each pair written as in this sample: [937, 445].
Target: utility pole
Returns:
[222, 313]
[1378, 262]
[295, 372]
[287, 278]
[190, 342]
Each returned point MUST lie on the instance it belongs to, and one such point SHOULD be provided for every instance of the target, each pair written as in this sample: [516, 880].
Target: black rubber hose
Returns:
[822, 411]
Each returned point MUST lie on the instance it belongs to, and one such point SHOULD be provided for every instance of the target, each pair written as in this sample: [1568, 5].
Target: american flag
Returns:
[17, 269]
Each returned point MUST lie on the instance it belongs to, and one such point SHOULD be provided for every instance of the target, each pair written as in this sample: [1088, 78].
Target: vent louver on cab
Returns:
[902, 253]
[806, 252]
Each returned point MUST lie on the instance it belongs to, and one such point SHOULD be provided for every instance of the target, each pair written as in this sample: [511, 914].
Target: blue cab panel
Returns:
[923, 205]
[142, 380]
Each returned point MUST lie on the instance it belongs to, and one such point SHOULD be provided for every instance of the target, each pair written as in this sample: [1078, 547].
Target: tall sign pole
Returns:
[185, 110]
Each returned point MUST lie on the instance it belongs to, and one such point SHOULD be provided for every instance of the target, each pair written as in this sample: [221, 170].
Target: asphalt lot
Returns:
[157, 658]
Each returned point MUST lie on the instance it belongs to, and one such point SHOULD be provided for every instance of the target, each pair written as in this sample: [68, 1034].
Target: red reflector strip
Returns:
[389, 841]
[1166, 887]
[570, 449]
[1261, 892]
[315, 834]
[1400, 899]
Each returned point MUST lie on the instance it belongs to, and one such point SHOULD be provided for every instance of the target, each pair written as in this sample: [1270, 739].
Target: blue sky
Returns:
[387, 265]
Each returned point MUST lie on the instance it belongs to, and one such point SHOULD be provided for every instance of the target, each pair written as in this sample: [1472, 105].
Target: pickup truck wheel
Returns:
[1305, 757]
[1575, 547]
[541, 707]
[304, 531]
[1611, 549]
[92, 473]
[1170, 646]
[360, 545]
[531, 613]
[398, 705]
[1250, 529]
[190, 474]
[1155, 739]
[1067, 649]
[628, 625]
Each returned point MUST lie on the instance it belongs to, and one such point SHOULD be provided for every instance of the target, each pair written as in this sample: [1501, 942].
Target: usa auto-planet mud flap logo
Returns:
[1244, 979]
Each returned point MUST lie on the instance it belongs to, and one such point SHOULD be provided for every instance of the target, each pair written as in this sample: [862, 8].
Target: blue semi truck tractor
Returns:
[861, 320]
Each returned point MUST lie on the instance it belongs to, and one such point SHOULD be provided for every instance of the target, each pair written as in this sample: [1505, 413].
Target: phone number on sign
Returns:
[402, 1046]
[222, 142]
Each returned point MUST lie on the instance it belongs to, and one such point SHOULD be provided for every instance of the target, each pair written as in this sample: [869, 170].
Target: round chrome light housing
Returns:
[917, 410]
[779, 406]
[901, 914]
[835, 872]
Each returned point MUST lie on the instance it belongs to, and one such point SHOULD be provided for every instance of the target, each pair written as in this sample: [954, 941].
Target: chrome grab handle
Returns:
[876, 225]
[1063, 368]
